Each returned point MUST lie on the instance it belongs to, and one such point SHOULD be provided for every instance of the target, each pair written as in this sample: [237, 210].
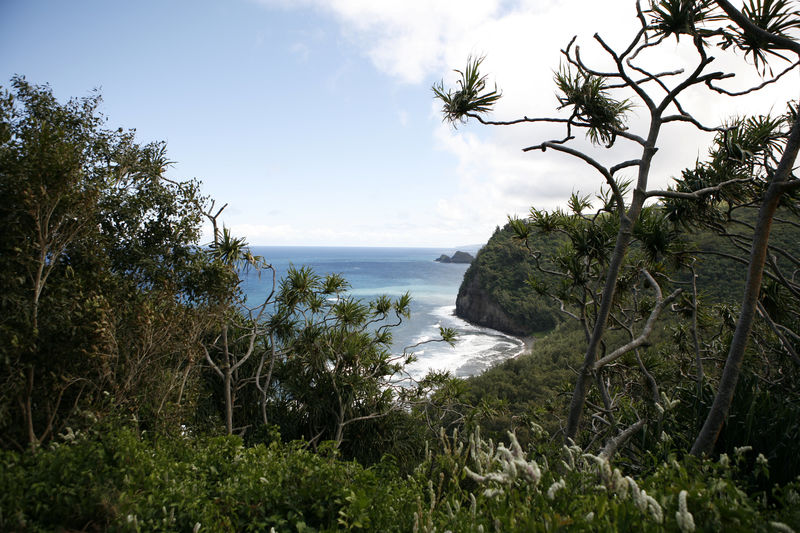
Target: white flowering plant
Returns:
[503, 487]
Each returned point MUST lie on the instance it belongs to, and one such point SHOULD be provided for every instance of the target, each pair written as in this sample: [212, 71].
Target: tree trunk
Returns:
[709, 433]
[33, 441]
[609, 289]
[226, 383]
[627, 220]
[339, 437]
[585, 375]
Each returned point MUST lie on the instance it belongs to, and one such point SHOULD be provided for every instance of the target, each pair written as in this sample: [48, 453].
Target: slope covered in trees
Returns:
[141, 392]
[617, 251]
[496, 290]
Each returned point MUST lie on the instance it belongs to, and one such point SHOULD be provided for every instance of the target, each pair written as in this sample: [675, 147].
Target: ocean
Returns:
[394, 271]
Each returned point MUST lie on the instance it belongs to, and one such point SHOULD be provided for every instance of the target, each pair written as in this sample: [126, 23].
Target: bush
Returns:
[120, 482]
[483, 486]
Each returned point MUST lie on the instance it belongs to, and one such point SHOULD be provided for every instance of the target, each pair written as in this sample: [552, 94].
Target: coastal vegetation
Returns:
[495, 292]
[142, 391]
[501, 276]
[611, 273]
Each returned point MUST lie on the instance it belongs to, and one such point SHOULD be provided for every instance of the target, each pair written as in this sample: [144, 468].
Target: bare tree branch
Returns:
[695, 195]
[614, 443]
[661, 303]
[758, 87]
[781, 337]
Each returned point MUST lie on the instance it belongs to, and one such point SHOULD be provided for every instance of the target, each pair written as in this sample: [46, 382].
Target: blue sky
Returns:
[314, 120]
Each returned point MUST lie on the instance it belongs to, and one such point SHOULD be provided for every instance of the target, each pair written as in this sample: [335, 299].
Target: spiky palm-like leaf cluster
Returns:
[472, 97]
[776, 17]
[234, 252]
[676, 17]
[589, 97]
[743, 151]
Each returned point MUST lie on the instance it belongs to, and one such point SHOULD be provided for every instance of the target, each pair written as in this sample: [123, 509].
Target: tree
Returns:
[336, 366]
[572, 275]
[313, 358]
[590, 96]
[240, 330]
[110, 305]
[99, 268]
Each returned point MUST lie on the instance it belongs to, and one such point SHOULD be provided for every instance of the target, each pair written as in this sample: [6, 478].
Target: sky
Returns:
[315, 122]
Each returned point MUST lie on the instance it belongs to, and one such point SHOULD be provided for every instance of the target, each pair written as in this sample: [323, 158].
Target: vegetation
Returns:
[504, 269]
[143, 392]
[113, 308]
[623, 249]
[102, 279]
[115, 480]
[500, 273]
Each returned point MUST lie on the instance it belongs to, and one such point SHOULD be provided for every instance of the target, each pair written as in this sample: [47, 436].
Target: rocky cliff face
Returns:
[475, 305]
[495, 292]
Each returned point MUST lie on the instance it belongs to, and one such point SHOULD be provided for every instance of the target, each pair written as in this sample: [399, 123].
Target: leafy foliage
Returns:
[500, 273]
[471, 98]
[776, 17]
[99, 269]
[115, 480]
[336, 367]
[677, 17]
[589, 98]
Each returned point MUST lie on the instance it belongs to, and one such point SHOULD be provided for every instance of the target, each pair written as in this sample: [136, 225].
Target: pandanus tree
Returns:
[598, 102]
[314, 359]
[336, 366]
[573, 276]
[240, 330]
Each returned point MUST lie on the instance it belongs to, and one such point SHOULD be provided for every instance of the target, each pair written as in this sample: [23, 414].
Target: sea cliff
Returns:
[495, 293]
[477, 305]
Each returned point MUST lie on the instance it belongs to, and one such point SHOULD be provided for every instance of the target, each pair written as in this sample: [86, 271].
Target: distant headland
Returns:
[458, 257]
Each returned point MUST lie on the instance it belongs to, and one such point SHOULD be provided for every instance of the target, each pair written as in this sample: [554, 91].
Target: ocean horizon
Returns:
[393, 271]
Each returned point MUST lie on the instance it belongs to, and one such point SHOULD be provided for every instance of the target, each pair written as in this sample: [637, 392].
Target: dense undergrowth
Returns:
[127, 346]
[116, 477]
[119, 480]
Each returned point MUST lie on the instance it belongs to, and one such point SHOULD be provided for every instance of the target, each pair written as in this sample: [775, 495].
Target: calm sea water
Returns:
[395, 271]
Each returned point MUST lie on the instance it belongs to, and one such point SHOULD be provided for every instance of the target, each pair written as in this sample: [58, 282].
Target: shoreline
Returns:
[527, 345]
[526, 342]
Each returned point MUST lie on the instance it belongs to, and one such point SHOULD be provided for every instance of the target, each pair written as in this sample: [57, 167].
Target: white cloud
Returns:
[498, 179]
[418, 41]
[410, 39]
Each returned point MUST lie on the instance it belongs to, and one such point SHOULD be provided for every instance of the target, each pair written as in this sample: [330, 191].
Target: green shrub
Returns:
[120, 482]
[483, 486]
[117, 481]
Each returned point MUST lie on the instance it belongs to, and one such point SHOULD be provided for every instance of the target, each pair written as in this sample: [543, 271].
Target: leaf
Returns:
[592, 104]
[520, 228]
[773, 16]
[676, 17]
[471, 98]
[449, 335]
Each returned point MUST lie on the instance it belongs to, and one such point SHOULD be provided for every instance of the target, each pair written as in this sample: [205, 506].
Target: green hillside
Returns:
[498, 278]
[495, 292]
